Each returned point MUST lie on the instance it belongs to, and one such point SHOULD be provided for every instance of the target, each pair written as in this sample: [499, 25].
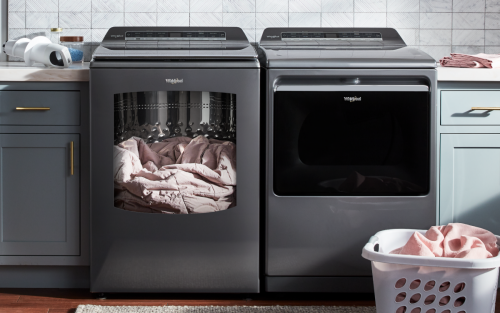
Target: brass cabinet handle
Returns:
[485, 108]
[31, 109]
[71, 158]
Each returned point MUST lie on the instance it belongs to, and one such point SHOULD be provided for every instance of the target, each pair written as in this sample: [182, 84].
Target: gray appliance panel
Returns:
[160, 64]
[139, 252]
[320, 57]
[118, 34]
[245, 53]
[323, 236]
[387, 36]
[363, 284]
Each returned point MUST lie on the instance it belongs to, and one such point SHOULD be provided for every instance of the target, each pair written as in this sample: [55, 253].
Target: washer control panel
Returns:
[175, 35]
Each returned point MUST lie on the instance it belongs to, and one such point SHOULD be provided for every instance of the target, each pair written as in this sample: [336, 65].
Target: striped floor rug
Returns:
[224, 309]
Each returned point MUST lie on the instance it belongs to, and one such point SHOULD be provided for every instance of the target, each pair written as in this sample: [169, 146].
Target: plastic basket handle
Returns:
[370, 245]
[369, 248]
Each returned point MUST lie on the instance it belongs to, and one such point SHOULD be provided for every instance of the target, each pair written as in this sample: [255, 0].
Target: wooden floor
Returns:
[66, 300]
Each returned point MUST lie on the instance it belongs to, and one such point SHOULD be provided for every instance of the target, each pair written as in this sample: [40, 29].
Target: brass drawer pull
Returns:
[485, 108]
[71, 158]
[31, 109]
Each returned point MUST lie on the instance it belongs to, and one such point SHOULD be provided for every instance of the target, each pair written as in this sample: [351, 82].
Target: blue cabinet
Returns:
[469, 148]
[44, 174]
[63, 107]
[457, 107]
[40, 198]
[470, 180]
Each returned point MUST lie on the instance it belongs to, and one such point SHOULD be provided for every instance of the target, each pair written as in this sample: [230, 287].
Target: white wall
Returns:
[436, 26]
[3, 26]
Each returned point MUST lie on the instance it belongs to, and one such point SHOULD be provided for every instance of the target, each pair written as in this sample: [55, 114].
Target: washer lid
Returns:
[175, 43]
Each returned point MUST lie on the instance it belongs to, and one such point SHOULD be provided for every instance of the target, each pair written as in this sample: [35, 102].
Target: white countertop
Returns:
[18, 71]
[468, 74]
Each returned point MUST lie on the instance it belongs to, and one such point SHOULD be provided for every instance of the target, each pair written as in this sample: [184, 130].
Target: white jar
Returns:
[55, 34]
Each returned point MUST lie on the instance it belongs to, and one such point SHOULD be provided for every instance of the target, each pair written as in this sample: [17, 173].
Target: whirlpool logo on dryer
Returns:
[174, 81]
[352, 99]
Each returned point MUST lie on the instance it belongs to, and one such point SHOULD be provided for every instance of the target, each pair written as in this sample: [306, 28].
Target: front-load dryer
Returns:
[350, 150]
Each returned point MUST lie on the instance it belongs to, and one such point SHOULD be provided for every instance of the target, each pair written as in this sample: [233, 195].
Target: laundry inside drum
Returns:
[174, 151]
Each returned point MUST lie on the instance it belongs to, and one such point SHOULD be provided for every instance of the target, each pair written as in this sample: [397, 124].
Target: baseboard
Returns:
[44, 277]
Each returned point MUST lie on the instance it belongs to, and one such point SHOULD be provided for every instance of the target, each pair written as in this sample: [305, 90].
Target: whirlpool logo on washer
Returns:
[352, 99]
[174, 81]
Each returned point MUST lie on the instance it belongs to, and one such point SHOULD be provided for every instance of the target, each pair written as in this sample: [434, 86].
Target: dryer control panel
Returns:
[331, 38]
[350, 36]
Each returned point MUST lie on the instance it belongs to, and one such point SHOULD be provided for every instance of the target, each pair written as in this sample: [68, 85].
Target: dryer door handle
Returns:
[359, 88]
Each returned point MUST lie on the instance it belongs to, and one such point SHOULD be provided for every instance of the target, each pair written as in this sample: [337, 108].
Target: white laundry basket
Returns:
[471, 283]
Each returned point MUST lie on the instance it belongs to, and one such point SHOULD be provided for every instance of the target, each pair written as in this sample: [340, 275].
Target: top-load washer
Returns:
[350, 151]
[174, 153]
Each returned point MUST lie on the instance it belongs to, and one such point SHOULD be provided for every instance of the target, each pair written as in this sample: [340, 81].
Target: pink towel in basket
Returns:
[476, 60]
[454, 240]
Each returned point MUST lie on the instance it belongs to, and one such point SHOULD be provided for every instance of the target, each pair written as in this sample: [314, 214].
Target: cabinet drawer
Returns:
[64, 108]
[456, 107]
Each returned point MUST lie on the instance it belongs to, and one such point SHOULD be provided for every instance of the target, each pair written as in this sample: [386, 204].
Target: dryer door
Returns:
[351, 152]
[351, 140]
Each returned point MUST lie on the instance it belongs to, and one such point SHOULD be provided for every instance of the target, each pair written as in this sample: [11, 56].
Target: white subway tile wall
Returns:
[438, 27]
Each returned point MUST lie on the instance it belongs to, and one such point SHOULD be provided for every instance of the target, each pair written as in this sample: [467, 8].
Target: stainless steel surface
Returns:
[391, 52]
[212, 252]
[117, 46]
[313, 243]
[205, 52]
[362, 284]
[155, 116]
[323, 235]
[274, 36]
[203, 64]
[346, 58]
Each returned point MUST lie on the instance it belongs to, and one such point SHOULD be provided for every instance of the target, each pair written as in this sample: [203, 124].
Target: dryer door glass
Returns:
[331, 143]
[175, 151]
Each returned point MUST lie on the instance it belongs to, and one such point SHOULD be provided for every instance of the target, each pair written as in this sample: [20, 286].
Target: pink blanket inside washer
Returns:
[179, 175]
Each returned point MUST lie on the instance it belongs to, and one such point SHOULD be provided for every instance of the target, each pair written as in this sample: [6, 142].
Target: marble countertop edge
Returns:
[468, 74]
[18, 71]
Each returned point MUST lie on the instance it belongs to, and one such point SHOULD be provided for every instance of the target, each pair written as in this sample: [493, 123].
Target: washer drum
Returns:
[157, 115]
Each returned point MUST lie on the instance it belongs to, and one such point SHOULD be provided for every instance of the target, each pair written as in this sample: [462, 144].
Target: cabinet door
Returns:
[39, 197]
[470, 180]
